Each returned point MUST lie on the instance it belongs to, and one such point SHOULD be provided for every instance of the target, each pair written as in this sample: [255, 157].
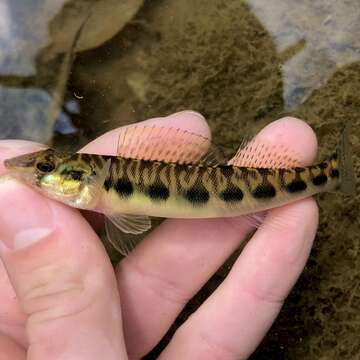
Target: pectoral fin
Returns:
[123, 230]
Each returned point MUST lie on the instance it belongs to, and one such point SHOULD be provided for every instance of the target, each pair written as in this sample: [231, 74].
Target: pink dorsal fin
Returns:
[158, 143]
[258, 154]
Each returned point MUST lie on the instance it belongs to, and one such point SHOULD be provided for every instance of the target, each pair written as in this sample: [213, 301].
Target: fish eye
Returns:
[45, 167]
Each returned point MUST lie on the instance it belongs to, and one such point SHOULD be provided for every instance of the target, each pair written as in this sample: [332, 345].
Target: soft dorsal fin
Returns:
[255, 153]
[169, 144]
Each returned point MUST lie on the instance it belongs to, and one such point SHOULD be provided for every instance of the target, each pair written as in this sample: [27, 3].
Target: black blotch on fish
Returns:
[264, 172]
[124, 187]
[323, 165]
[158, 192]
[232, 194]
[295, 186]
[264, 191]
[334, 173]
[197, 195]
[226, 170]
[86, 158]
[97, 160]
[107, 184]
[319, 179]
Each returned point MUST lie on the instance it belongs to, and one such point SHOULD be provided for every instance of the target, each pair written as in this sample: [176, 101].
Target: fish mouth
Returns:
[10, 163]
[16, 163]
[20, 168]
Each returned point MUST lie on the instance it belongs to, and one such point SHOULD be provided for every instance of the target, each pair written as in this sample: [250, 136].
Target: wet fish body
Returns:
[195, 191]
[130, 188]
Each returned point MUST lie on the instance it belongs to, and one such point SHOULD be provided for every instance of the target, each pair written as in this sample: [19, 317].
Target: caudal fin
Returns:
[346, 170]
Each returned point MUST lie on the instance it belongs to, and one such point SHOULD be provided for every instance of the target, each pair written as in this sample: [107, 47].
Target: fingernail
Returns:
[189, 112]
[26, 217]
[19, 145]
[27, 237]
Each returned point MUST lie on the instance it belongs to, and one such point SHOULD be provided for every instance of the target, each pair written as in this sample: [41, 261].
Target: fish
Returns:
[170, 177]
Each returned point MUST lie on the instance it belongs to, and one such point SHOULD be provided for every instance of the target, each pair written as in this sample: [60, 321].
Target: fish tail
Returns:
[345, 165]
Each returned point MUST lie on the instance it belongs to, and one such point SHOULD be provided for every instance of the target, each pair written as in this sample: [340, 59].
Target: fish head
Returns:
[65, 177]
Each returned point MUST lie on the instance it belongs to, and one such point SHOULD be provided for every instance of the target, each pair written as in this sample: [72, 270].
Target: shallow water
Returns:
[240, 63]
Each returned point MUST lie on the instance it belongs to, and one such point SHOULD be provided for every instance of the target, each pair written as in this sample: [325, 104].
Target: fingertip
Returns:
[258, 283]
[305, 209]
[190, 121]
[311, 209]
[285, 238]
[294, 134]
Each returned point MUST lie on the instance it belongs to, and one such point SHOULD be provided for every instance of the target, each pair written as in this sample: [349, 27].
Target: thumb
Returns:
[62, 277]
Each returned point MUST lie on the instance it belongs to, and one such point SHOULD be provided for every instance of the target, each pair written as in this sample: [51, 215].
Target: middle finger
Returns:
[176, 259]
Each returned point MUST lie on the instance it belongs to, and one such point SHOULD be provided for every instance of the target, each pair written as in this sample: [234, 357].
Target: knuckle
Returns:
[265, 295]
[213, 348]
[163, 287]
[54, 290]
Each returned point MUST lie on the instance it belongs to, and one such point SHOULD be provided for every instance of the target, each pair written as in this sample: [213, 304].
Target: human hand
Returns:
[60, 298]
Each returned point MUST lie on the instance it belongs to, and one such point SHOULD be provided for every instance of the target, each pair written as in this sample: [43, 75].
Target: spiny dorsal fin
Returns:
[255, 153]
[153, 142]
